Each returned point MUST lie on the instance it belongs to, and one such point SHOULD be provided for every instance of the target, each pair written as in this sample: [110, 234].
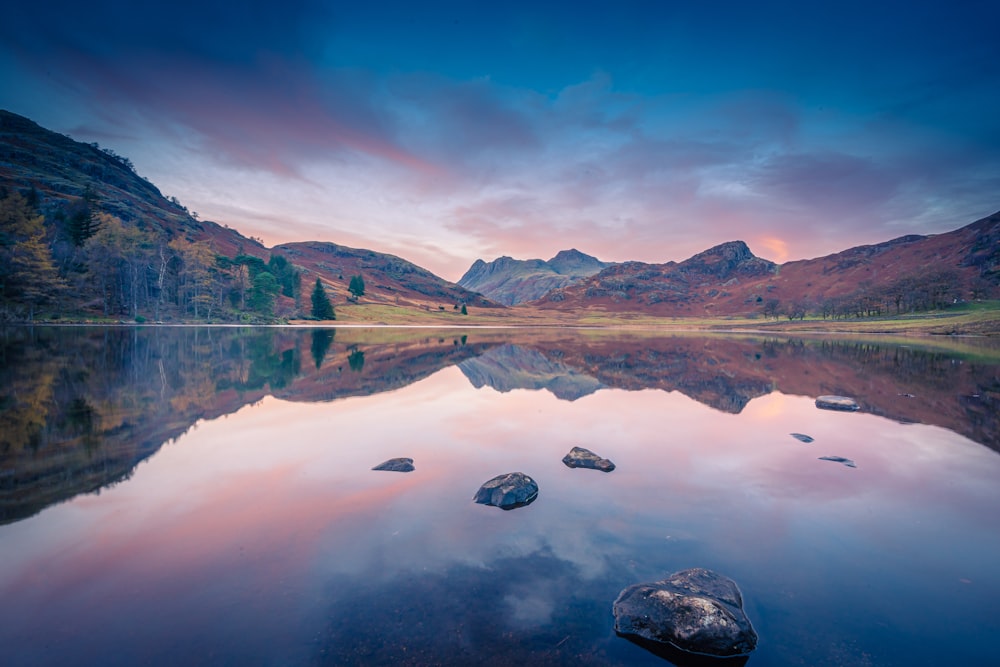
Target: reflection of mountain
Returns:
[960, 392]
[81, 407]
[514, 367]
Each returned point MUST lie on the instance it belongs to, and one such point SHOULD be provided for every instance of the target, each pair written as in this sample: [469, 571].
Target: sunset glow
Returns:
[452, 132]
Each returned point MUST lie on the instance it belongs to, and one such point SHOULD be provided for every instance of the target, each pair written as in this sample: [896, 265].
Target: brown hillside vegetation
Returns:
[906, 274]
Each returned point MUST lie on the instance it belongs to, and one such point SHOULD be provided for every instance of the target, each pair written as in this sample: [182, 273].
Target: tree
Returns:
[322, 309]
[465, 311]
[197, 275]
[265, 289]
[356, 286]
[27, 273]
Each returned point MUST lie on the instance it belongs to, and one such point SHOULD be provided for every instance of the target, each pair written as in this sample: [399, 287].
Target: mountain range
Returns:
[901, 275]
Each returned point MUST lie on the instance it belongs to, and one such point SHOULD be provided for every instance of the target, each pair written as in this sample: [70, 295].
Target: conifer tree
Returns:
[356, 286]
[322, 309]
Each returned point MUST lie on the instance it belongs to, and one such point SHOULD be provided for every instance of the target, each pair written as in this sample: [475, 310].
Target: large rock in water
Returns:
[515, 489]
[579, 457]
[403, 464]
[837, 403]
[696, 610]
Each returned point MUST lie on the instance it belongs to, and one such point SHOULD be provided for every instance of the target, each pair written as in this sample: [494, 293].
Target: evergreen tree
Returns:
[465, 311]
[321, 307]
[83, 221]
[356, 286]
[262, 294]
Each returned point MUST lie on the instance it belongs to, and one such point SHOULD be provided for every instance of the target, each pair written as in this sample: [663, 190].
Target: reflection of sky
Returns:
[230, 539]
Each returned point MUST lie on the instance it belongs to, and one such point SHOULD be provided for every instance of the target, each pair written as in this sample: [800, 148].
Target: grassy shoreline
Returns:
[976, 319]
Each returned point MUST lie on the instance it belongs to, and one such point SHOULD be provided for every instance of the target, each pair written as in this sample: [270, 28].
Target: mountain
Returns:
[905, 274]
[64, 179]
[59, 171]
[512, 281]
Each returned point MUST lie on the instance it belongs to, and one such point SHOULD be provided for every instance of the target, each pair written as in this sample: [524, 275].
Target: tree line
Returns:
[88, 260]
[932, 290]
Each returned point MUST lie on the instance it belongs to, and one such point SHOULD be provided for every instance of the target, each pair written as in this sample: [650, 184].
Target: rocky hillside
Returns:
[907, 274]
[60, 176]
[388, 279]
[512, 281]
[60, 170]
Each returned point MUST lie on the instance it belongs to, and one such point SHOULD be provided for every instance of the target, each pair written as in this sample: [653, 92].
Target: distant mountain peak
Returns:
[511, 281]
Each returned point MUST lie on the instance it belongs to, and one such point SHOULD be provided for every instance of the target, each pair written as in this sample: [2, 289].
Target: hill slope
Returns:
[61, 176]
[512, 281]
[905, 274]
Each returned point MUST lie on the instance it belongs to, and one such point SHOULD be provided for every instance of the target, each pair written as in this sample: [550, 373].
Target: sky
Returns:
[444, 132]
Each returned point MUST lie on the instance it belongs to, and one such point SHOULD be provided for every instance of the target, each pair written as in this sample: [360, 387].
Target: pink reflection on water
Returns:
[252, 516]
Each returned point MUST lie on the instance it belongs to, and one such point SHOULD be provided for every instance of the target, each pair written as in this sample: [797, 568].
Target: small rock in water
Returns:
[396, 465]
[697, 611]
[803, 437]
[515, 489]
[836, 403]
[579, 457]
[839, 459]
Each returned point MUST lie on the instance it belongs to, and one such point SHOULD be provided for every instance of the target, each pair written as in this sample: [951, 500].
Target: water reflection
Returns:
[82, 406]
[265, 538]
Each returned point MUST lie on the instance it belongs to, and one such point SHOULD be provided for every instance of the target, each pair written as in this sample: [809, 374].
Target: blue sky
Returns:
[446, 132]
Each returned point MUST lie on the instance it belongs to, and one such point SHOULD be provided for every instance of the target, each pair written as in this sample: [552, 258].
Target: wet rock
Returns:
[515, 489]
[837, 403]
[698, 611]
[839, 459]
[802, 437]
[579, 457]
[396, 465]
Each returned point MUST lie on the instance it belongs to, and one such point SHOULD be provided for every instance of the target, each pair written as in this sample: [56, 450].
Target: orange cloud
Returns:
[778, 249]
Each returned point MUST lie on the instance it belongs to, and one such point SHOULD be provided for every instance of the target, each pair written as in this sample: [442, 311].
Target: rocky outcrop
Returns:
[512, 281]
[696, 610]
[401, 464]
[837, 403]
[579, 457]
[515, 489]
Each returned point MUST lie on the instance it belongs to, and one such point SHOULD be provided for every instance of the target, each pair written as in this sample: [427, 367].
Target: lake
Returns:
[194, 495]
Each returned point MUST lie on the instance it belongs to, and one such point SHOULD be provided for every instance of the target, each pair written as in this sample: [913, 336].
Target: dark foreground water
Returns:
[204, 496]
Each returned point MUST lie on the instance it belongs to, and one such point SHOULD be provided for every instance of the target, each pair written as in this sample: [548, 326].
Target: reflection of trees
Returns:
[321, 341]
[79, 407]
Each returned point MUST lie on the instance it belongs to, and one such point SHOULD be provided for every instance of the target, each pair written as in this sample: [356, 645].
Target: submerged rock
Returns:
[839, 459]
[696, 610]
[802, 437]
[396, 465]
[837, 403]
[515, 489]
[579, 457]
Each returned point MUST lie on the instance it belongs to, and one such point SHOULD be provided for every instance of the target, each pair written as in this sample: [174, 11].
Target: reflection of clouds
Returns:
[282, 495]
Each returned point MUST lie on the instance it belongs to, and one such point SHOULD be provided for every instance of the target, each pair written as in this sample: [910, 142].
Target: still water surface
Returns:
[192, 496]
